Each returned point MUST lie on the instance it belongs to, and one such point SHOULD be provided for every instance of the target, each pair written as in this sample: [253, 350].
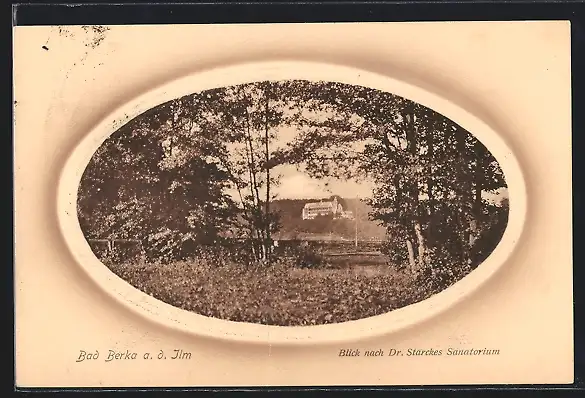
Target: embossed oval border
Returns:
[189, 322]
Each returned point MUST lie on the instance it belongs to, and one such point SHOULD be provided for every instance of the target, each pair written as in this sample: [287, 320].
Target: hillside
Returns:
[294, 227]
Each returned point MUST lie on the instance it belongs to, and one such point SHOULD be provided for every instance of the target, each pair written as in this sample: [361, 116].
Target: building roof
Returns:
[318, 205]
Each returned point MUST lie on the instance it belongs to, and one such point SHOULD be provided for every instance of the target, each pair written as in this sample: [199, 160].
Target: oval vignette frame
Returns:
[193, 323]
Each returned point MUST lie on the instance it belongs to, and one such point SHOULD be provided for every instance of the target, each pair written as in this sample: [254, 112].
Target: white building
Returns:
[325, 208]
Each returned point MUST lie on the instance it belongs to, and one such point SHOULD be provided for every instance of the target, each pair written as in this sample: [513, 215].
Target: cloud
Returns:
[301, 186]
[295, 184]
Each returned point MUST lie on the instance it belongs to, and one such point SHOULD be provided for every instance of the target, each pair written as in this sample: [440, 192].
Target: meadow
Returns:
[281, 294]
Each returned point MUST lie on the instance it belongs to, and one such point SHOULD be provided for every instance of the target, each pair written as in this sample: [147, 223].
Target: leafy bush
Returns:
[308, 257]
[493, 230]
[440, 271]
[396, 252]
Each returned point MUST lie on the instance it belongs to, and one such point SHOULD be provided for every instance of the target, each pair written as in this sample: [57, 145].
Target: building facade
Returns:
[325, 208]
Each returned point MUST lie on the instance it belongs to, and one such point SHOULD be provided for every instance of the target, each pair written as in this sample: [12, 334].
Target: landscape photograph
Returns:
[292, 202]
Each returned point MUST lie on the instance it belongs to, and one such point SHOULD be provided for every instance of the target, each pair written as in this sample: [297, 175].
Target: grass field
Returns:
[277, 295]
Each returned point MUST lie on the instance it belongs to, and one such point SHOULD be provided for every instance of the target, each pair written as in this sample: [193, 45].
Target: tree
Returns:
[252, 113]
[151, 177]
[204, 166]
[430, 174]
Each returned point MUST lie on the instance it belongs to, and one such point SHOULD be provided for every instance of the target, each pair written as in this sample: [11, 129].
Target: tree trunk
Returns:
[267, 220]
[258, 216]
[264, 252]
[466, 194]
[398, 197]
[473, 232]
[253, 248]
[252, 211]
[430, 185]
[412, 138]
[421, 244]
[411, 261]
[477, 210]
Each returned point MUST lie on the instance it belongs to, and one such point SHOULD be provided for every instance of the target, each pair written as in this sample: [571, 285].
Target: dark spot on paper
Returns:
[45, 48]
[99, 34]
[65, 32]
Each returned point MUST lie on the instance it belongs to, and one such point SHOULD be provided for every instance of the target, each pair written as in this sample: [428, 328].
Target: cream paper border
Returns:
[169, 323]
[239, 74]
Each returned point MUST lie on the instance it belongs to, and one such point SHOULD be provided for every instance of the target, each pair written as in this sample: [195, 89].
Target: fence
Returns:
[124, 250]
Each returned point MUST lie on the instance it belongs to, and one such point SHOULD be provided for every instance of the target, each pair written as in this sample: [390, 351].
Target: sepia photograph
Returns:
[292, 202]
[310, 205]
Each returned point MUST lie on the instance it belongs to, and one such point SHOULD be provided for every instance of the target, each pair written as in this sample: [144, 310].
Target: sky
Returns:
[296, 184]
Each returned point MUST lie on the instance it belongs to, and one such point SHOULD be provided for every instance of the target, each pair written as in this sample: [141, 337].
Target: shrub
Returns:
[493, 229]
[308, 257]
[396, 252]
[440, 270]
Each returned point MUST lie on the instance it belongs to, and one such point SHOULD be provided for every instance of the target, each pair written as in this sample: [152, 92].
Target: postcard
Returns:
[366, 204]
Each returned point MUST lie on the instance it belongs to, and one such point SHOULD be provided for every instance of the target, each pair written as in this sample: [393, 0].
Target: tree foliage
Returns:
[431, 175]
[202, 168]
